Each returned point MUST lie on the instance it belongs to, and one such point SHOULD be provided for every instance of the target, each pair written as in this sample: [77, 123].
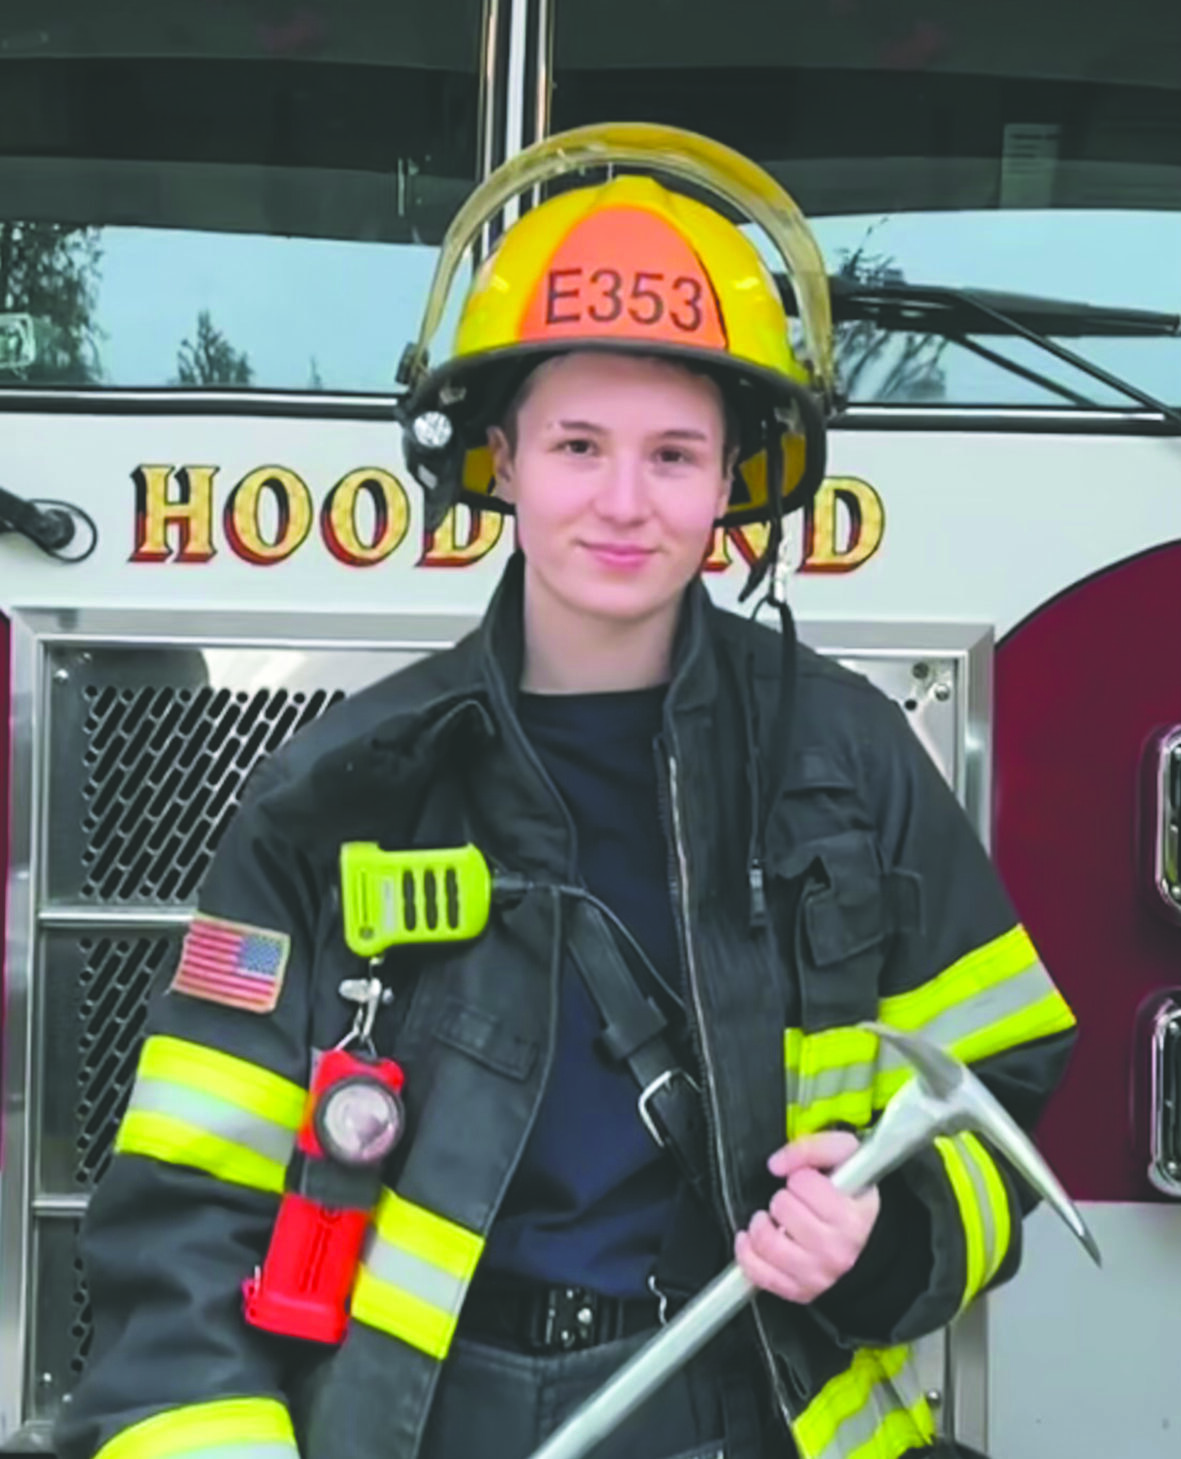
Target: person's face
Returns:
[617, 478]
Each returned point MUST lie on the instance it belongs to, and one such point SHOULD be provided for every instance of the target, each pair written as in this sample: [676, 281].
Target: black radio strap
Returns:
[636, 1033]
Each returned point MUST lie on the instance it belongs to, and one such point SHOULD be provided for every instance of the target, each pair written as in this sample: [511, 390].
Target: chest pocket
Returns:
[487, 1038]
[838, 910]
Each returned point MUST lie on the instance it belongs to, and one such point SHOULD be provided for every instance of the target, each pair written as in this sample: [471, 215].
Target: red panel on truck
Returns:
[1081, 686]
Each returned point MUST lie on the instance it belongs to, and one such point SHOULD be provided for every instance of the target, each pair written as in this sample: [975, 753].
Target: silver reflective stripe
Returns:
[827, 1083]
[214, 1115]
[421, 1279]
[984, 1206]
[860, 1427]
[979, 1011]
[887, 1398]
[985, 1008]
[250, 1450]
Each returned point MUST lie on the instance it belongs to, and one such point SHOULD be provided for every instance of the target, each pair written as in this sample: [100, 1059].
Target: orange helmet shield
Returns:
[624, 274]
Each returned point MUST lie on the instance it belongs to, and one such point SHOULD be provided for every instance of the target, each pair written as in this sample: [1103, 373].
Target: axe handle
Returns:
[688, 1332]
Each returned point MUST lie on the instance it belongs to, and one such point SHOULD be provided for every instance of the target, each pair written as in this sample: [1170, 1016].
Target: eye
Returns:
[675, 456]
[577, 446]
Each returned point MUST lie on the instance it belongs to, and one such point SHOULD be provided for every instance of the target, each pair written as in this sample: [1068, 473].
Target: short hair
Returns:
[732, 433]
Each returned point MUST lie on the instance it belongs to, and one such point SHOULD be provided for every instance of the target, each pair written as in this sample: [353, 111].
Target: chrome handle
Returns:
[1161, 821]
[1164, 1095]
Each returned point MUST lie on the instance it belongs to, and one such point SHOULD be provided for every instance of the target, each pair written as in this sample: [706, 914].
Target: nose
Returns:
[622, 497]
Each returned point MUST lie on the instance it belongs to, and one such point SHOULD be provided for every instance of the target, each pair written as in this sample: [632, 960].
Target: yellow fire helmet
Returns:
[629, 264]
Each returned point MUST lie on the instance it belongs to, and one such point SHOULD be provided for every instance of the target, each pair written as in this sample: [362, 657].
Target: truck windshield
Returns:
[248, 197]
[989, 144]
[241, 196]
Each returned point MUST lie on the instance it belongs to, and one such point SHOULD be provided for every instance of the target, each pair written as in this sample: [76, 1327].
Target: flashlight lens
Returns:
[359, 1121]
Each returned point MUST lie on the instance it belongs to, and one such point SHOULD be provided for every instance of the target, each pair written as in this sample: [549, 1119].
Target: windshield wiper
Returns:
[961, 314]
[939, 309]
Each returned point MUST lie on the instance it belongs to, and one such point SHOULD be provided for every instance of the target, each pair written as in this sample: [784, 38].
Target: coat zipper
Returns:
[678, 876]
[680, 886]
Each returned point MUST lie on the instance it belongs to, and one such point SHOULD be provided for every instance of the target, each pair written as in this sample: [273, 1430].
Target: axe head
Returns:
[965, 1104]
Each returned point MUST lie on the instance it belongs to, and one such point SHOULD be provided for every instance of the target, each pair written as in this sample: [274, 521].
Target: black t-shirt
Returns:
[593, 1193]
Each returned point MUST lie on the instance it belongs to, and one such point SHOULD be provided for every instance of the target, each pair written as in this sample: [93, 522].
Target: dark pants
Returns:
[500, 1404]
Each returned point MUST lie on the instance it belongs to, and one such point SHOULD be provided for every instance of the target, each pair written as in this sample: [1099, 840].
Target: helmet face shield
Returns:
[628, 265]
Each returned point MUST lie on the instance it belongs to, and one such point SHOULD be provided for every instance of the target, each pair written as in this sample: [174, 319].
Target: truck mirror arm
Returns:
[50, 525]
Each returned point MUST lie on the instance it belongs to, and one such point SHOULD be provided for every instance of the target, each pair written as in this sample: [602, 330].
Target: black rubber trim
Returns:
[1055, 423]
[108, 403]
[382, 408]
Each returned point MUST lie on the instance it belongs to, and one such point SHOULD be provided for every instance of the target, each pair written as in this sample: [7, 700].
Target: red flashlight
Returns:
[354, 1118]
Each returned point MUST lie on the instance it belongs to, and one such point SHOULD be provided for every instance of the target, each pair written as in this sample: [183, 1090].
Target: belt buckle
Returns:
[661, 1300]
[661, 1082]
[570, 1319]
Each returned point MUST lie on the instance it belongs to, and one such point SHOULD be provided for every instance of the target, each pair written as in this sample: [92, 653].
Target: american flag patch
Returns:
[232, 963]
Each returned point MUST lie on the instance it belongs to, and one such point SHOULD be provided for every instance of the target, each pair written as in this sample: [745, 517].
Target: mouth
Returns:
[619, 554]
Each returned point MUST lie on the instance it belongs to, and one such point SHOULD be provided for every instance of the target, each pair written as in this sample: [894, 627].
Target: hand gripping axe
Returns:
[944, 1098]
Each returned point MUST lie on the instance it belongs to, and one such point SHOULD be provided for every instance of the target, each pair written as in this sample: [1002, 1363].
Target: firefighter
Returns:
[719, 855]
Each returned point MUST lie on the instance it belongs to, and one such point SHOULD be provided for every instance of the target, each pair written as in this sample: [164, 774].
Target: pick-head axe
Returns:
[944, 1098]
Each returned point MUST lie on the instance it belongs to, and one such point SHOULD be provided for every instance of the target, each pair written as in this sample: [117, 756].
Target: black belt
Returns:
[534, 1318]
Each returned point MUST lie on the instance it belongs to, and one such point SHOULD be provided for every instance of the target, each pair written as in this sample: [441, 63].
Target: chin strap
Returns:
[773, 455]
[772, 566]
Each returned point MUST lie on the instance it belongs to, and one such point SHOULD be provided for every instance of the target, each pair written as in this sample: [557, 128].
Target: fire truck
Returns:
[217, 227]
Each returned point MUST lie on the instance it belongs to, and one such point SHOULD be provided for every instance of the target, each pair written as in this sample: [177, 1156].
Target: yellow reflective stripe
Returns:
[247, 1085]
[992, 963]
[992, 999]
[834, 1048]
[854, 1107]
[415, 1274]
[163, 1137]
[983, 967]
[399, 1313]
[843, 1396]
[998, 1199]
[906, 1428]
[970, 1217]
[196, 1106]
[235, 1427]
[808, 1057]
[984, 1209]
[864, 1411]
[432, 1238]
[1049, 1015]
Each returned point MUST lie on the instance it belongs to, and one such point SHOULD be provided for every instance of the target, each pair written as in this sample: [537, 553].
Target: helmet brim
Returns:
[475, 394]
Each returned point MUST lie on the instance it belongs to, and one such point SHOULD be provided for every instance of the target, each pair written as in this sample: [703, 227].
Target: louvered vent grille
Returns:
[115, 980]
[163, 770]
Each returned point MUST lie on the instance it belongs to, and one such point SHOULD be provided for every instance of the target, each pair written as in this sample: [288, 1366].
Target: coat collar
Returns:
[694, 680]
[460, 713]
